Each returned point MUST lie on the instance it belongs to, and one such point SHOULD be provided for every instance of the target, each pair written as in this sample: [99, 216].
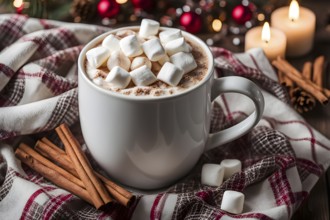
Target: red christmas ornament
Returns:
[191, 22]
[108, 8]
[242, 14]
[146, 5]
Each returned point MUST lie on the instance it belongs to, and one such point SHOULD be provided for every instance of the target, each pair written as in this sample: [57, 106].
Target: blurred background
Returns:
[219, 22]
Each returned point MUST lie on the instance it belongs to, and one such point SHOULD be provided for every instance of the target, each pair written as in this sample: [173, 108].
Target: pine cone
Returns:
[83, 10]
[301, 100]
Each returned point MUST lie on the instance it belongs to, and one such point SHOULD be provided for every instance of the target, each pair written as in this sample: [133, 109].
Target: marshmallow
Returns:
[111, 42]
[232, 202]
[118, 77]
[170, 74]
[98, 81]
[164, 59]
[152, 37]
[124, 33]
[141, 39]
[184, 61]
[169, 35]
[140, 61]
[212, 174]
[130, 46]
[117, 58]
[231, 166]
[97, 56]
[153, 49]
[148, 27]
[175, 46]
[143, 76]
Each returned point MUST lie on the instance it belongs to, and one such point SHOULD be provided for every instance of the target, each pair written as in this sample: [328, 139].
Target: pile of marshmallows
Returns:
[170, 50]
[214, 174]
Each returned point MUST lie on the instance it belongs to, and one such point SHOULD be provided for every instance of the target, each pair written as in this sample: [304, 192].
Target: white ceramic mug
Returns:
[150, 142]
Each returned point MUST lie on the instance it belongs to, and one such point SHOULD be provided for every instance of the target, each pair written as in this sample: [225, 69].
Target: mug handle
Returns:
[238, 85]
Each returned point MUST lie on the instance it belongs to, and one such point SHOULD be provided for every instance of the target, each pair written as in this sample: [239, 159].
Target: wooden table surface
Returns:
[316, 207]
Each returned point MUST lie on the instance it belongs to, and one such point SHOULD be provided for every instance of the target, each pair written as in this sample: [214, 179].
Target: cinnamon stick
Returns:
[53, 146]
[325, 91]
[52, 175]
[93, 185]
[120, 194]
[49, 164]
[318, 71]
[284, 80]
[304, 83]
[307, 70]
[281, 78]
[50, 151]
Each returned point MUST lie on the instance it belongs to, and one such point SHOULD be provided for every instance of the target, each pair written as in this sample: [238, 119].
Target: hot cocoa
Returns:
[148, 61]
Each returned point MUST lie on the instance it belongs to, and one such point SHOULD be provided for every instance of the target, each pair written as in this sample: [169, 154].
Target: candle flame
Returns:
[294, 10]
[18, 3]
[265, 33]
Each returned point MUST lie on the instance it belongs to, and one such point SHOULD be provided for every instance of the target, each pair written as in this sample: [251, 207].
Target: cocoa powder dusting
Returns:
[128, 92]
[142, 91]
[101, 73]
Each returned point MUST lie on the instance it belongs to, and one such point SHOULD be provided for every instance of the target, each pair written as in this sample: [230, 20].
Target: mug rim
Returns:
[96, 40]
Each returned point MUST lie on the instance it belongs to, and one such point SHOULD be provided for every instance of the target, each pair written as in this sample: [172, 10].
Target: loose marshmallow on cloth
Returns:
[143, 76]
[170, 74]
[231, 166]
[232, 201]
[97, 56]
[169, 35]
[184, 61]
[148, 28]
[119, 77]
[140, 61]
[212, 174]
[131, 46]
[111, 42]
[117, 58]
[178, 45]
[153, 49]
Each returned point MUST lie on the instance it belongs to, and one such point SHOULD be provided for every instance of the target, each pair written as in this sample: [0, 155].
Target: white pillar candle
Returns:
[298, 24]
[271, 40]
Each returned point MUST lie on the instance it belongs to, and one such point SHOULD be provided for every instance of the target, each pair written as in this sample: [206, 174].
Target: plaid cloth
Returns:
[282, 156]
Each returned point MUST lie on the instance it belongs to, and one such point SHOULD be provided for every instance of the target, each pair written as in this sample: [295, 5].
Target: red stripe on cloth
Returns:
[7, 134]
[55, 83]
[44, 24]
[312, 138]
[154, 214]
[7, 71]
[280, 184]
[11, 29]
[230, 117]
[31, 200]
[53, 205]
[254, 62]
[307, 167]
[258, 216]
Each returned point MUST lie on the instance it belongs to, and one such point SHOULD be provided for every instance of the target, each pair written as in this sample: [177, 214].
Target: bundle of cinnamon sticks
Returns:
[304, 87]
[71, 170]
